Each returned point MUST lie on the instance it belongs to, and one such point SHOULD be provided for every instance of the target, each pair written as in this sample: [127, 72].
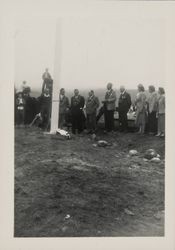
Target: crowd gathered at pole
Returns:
[84, 113]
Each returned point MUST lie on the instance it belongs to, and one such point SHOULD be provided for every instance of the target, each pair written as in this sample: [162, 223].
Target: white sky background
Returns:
[94, 51]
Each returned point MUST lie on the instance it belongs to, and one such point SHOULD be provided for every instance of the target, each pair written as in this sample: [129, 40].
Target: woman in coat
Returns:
[152, 110]
[140, 103]
[161, 112]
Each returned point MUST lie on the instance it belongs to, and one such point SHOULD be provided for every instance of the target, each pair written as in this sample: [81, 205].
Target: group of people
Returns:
[150, 110]
[82, 112]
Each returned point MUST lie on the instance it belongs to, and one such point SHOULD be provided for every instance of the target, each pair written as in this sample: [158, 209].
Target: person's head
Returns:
[62, 91]
[91, 93]
[161, 91]
[76, 92]
[47, 70]
[122, 88]
[19, 95]
[140, 87]
[24, 82]
[46, 91]
[151, 89]
[27, 91]
[109, 86]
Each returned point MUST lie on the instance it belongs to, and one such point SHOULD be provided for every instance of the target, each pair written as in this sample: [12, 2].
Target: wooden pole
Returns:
[56, 80]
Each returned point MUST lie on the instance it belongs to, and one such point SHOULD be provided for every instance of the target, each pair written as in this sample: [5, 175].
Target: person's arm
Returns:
[97, 102]
[128, 101]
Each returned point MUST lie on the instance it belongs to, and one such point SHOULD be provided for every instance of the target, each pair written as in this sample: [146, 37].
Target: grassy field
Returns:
[71, 188]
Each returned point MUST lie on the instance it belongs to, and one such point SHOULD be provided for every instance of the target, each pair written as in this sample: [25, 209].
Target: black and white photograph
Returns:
[90, 125]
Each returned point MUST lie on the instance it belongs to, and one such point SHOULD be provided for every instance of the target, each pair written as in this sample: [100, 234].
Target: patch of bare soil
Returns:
[71, 188]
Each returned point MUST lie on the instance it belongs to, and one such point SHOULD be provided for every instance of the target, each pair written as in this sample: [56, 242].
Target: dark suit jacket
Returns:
[77, 104]
[124, 102]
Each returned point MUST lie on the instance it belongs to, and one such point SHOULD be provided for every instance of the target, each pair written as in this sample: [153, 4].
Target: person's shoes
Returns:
[162, 135]
[158, 134]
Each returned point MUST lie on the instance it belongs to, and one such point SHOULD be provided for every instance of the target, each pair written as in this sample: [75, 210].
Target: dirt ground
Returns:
[71, 188]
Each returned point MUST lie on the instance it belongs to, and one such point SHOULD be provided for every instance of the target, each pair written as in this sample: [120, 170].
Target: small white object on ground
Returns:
[127, 211]
[155, 159]
[150, 153]
[63, 133]
[133, 152]
[67, 216]
[102, 143]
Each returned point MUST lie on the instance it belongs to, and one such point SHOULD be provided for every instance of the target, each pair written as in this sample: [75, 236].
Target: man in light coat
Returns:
[109, 102]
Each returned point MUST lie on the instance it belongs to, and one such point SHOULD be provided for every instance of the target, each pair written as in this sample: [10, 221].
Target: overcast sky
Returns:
[94, 51]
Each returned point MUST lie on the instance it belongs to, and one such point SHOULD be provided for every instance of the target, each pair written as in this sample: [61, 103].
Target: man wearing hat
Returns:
[109, 102]
[124, 105]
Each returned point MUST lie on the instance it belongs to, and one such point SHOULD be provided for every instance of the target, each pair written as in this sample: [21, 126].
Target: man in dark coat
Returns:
[63, 108]
[45, 108]
[77, 105]
[123, 108]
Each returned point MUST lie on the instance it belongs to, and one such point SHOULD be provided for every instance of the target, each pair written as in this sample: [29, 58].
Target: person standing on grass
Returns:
[140, 103]
[109, 102]
[45, 108]
[77, 105]
[63, 108]
[123, 108]
[152, 110]
[161, 112]
[92, 104]
[20, 108]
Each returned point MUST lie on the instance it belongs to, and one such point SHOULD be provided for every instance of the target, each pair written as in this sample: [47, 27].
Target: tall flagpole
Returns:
[56, 80]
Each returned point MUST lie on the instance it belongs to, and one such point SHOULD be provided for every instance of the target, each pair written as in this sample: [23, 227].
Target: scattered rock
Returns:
[64, 229]
[150, 153]
[128, 212]
[93, 136]
[94, 145]
[159, 215]
[102, 143]
[155, 159]
[133, 152]
[67, 216]
[135, 166]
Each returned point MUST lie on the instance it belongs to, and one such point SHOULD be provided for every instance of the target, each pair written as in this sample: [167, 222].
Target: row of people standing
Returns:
[150, 111]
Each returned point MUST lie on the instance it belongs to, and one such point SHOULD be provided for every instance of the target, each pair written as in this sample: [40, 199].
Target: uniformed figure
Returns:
[63, 108]
[77, 105]
[124, 105]
[20, 108]
[92, 104]
[109, 102]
